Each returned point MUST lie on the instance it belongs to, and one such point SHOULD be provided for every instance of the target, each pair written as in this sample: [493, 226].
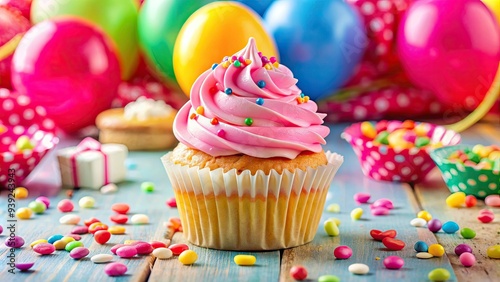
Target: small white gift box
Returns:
[91, 164]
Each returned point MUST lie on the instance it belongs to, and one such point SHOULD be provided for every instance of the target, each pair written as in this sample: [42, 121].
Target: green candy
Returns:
[74, 244]
[37, 207]
[467, 233]
[148, 187]
[439, 274]
[473, 157]
[422, 141]
[382, 137]
[328, 278]
[331, 228]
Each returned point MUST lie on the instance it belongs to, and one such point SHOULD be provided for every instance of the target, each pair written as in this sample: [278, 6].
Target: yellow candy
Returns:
[456, 200]
[336, 220]
[188, 257]
[20, 193]
[60, 244]
[24, 143]
[396, 140]
[494, 155]
[200, 110]
[436, 145]
[356, 213]
[335, 208]
[424, 215]
[436, 250]
[368, 129]
[482, 151]
[494, 252]
[331, 228]
[37, 242]
[67, 239]
[245, 260]
[24, 213]
[116, 230]
[421, 129]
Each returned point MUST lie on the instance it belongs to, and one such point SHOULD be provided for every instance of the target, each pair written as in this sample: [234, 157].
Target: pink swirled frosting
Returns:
[250, 107]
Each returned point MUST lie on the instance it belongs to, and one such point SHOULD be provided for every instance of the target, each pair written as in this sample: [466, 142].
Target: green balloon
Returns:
[159, 23]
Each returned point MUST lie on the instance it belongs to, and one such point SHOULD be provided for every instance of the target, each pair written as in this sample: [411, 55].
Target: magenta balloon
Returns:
[68, 67]
[451, 48]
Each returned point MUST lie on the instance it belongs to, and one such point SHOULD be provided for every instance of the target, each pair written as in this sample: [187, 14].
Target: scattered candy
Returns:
[86, 202]
[331, 228]
[79, 253]
[175, 224]
[421, 246]
[117, 230]
[171, 202]
[115, 269]
[418, 222]
[147, 187]
[342, 252]
[65, 205]
[101, 258]
[24, 213]
[434, 225]
[450, 227]
[21, 193]
[334, 208]
[158, 244]
[328, 278]
[67, 239]
[493, 252]
[425, 215]
[362, 197]
[80, 230]
[126, 251]
[54, 238]
[298, 272]
[356, 213]
[34, 243]
[102, 236]
[116, 247]
[23, 266]
[188, 257]
[44, 248]
[467, 233]
[359, 268]
[470, 201]
[130, 242]
[69, 219]
[393, 262]
[60, 244]
[37, 207]
[486, 216]
[245, 260]
[139, 219]
[439, 274]
[379, 211]
[456, 200]
[467, 259]
[162, 253]
[492, 200]
[91, 220]
[384, 203]
[424, 255]
[379, 235]
[436, 250]
[108, 188]
[120, 208]
[74, 244]
[96, 226]
[177, 249]
[143, 248]
[44, 200]
[368, 130]
[393, 244]
[76, 237]
[119, 218]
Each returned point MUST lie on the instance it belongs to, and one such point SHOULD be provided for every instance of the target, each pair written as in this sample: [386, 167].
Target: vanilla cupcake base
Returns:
[241, 211]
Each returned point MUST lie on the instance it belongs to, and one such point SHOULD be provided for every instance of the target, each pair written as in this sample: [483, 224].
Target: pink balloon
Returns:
[451, 48]
[68, 67]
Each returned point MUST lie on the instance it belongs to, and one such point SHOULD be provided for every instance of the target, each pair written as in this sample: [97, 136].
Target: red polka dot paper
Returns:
[18, 117]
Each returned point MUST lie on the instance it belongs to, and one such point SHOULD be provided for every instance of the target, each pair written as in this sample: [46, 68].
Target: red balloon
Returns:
[451, 48]
[67, 66]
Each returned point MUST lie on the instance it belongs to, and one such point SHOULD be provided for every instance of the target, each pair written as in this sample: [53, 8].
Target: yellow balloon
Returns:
[214, 31]
[494, 6]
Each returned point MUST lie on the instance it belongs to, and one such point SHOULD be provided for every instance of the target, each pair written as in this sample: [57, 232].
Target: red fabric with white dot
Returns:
[19, 117]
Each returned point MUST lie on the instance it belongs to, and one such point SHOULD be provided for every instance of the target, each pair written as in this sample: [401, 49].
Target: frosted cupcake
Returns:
[250, 172]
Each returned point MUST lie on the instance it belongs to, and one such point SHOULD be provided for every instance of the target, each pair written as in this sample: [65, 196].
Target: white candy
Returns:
[359, 268]
[424, 255]
[109, 188]
[162, 253]
[139, 219]
[418, 222]
[69, 219]
[86, 202]
[101, 258]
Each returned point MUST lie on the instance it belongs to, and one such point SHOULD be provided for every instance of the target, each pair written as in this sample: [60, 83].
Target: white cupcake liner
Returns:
[231, 211]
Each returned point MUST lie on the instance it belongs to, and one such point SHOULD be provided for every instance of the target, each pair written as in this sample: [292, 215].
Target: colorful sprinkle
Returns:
[214, 121]
[234, 58]
[248, 61]
[200, 110]
[193, 116]
[249, 121]
[221, 133]
[259, 101]
[268, 67]
[226, 64]
[228, 91]
[237, 64]
[261, 83]
[276, 65]
[273, 60]
[213, 90]
[241, 59]
[264, 59]
[214, 66]
[302, 95]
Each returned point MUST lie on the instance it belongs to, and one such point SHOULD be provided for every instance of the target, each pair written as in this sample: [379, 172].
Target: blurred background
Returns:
[358, 59]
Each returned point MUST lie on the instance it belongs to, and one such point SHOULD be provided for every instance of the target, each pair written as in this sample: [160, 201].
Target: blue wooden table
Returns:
[213, 265]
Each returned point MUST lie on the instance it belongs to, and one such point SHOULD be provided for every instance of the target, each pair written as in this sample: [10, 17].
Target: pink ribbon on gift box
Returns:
[88, 144]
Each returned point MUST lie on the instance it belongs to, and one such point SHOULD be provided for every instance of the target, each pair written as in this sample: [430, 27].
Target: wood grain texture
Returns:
[432, 194]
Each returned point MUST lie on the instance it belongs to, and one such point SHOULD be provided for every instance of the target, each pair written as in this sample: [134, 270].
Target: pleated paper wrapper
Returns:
[231, 211]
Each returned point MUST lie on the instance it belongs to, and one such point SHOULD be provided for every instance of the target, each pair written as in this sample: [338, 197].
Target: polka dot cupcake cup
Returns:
[18, 117]
[382, 162]
[465, 178]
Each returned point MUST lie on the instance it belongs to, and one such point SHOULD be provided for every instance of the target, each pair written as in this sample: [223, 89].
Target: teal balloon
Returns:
[259, 6]
[159, 23]
[321, 42]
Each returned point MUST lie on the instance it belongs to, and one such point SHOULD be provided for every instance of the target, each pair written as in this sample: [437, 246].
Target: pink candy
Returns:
[143, 248]
[126, 251]
[44, 248]
[362, 197]
[80, 230]
[44, 200]
[342, 252]
[116, 247]
[486, 216]
[393, 262]
[65, 205]
[492, 200]
[79, 252]
[467, 259]
[379, 211]
[385, 203]
[115, 269]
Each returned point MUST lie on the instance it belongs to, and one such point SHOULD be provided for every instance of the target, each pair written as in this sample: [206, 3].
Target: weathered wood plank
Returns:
[318, 257]
[432, 195]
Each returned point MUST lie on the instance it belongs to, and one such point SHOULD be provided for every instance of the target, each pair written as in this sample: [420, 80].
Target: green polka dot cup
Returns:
[468, 179]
